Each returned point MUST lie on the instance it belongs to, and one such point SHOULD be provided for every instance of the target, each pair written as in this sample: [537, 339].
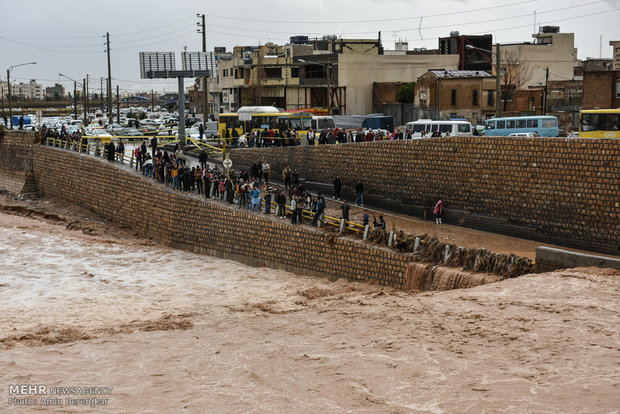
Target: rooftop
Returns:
[461, 74]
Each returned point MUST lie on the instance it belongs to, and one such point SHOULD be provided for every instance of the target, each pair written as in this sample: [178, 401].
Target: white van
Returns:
[445, 128]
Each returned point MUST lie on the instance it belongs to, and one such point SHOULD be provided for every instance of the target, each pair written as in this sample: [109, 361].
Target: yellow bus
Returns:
[259, 121]
[599, 123]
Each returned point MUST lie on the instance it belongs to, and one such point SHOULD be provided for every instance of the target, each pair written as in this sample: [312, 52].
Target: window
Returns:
[453, 97]
[521, 123]
[418, 127]
[273, 72]
[474, 97]
[490, 124]
[443, 128]
[532, 123]
[491, 98]
[464, 128]
[295, 72]
[549, 123]
[510, 124]
[501, 124]
[618, 88]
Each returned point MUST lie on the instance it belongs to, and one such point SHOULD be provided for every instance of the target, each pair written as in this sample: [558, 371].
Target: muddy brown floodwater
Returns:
[85, 304]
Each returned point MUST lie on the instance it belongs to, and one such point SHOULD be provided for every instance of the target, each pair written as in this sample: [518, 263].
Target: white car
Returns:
[522, 134]
[573, 135]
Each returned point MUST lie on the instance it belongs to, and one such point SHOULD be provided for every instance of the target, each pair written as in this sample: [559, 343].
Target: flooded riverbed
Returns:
[86, 304]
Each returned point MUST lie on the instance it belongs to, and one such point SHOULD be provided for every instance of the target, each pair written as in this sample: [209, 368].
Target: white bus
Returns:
[445, 128]
[322, 122]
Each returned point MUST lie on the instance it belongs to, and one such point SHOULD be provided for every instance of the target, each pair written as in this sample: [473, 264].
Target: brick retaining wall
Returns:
[563, 191]
[182, 221]
[16, 149]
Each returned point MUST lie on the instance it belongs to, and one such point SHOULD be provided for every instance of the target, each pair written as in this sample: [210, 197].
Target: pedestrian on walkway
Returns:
[359, 193]
[438, 211]
[320, 210]
[337, 187]
[198, 177]
[281, 202]
[268, 200]
[345, 207]
[202, 158]
[255, 198]
[378, 224]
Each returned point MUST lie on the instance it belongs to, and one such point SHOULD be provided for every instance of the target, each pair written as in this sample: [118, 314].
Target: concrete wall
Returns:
[554, 190]
[190, 223]
[559, 56]
[548, 259]
[357, 73]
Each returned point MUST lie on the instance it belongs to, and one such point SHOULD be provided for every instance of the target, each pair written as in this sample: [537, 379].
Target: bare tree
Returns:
[515, 74]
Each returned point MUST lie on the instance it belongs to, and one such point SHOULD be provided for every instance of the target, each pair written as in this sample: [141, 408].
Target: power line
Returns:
[157, 42]
[155, 28]
[430, 27]
[371, 20]
[47, 50]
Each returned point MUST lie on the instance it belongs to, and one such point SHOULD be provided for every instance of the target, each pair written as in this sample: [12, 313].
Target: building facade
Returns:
[31, 90]
[601, 89]
[615, 55]
[456, 94]
[55, 92]
[550, 49]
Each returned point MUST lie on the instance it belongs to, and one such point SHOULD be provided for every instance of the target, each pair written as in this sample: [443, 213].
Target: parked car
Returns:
[573, 135]
[114, 129]
[190, 121]
[130, 132]
[522, 134]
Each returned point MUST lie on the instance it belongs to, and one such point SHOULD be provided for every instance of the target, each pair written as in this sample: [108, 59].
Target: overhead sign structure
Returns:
[161, 65]
[156, 61]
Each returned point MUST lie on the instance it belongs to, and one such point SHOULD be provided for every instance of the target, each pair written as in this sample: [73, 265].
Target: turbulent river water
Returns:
[83, 304]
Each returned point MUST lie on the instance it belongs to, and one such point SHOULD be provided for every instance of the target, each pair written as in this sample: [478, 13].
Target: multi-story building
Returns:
[56, 91]
[470, 50]
[328, 73]
[615, 56]
[550, 50]
[30, 90]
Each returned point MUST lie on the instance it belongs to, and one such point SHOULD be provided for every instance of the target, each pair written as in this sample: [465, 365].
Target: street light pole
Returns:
[74, 97]
[8, 84]
[498, 88]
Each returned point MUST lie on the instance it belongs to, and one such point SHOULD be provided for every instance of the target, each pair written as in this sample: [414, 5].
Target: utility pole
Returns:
[205, 93]
[152, 102]
[75, 99]
[546, 84]
[8, 83]
[498, 88]
[84, 99]
[329, 89]
[110, 113]
[87, 99]
[118, 105]
[101, 93]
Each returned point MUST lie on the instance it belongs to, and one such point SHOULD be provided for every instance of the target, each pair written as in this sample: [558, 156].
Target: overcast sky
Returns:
[67, 36]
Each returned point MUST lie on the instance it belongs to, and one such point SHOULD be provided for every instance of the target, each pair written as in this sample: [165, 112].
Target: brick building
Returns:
[468, 94]
[601, 89]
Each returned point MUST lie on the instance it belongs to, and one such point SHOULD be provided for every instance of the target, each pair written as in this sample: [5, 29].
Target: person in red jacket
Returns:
[438, 211]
